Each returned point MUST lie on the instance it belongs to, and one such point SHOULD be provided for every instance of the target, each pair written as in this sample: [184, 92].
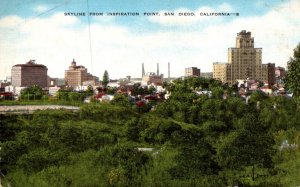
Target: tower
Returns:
[143, 70]
[168, 71]
[244, 62]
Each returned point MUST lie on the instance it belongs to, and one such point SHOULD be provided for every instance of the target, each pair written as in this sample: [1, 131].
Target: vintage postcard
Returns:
[149, 93]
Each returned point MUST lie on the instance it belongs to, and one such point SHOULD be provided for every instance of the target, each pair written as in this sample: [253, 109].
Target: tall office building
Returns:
[29, 74]
[77, 75]
[244, 62]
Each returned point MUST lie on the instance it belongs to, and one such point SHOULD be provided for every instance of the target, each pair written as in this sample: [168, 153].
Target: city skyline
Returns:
[120, 44]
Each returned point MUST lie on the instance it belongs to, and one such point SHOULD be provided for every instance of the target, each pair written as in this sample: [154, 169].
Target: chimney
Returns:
[157, 69]
[168, 71]
[143, 70]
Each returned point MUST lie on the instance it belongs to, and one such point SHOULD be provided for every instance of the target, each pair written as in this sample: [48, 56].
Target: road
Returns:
[32, 108]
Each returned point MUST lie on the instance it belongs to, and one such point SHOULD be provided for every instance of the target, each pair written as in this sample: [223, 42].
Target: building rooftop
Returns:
[75, 67]
[244, 33]
[31, 63]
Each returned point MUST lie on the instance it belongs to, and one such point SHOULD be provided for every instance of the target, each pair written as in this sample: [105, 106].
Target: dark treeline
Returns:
[214, 139]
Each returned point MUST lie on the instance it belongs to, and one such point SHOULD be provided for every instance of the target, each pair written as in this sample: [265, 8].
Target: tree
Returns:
[63, 95]
[293, 75]
[125, 163]
[32, 93]
[90, 90]
[195, 155]
[250, 145]
[105, 79]
[121, 100]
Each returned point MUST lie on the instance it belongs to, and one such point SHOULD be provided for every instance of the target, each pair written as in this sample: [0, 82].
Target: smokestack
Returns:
[143, 70]
[168, 71]
[157, 69]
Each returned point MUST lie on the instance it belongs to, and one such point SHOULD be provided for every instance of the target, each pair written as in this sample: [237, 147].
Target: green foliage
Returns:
[196, 140]
[213, 130]
[292, 80]
[52, 116]
[32, 93]
[158, 174]
[106, 113]
[257, 96]
[156, 131]
[133, 129]
[9, 126]
[121, 100]
[90, 90]
[10, 153]
[111, 90]
[248, 146]
[105, 79]
[63, 95]
[217, 92]
[195, 157]
[67, 95]
[290, 168]
[38, 159]
[126, 161]
[142, 90]
[165, 109]
[82, 172]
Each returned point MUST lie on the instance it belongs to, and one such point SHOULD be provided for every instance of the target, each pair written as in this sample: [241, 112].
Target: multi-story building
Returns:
[271, 74]
[76, 75]
[8, 78]
[192, 71]
[3, 84]
[29, 74]
[244, 62]
[280, 72]
[220, 71]
[56, 82]
[152, 78]
[207, 75]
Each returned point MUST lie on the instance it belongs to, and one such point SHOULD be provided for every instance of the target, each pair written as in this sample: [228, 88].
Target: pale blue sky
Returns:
[38, 29]
[28, 8]
[25, 7]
